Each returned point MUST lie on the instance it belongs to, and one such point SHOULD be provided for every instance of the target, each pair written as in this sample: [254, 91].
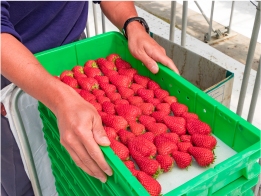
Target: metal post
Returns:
[87, 29]
[172, 21]
[210, 22]
[184, 23]
[95, 18]
[249, 60]
[231, 17]
[103, 23]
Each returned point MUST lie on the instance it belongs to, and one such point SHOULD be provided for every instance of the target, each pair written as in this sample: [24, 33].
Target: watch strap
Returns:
[140, 20]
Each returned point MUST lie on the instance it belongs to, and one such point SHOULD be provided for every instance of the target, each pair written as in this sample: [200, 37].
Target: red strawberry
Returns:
[142, 80]
[129, 164]
[154, 101]
[172, 137]
[70, 81]
[121, 101]
[145, 94]
[116, 122]
[205, 141]
[86, 95]
[120, 150]
[136, 128]
[125, 92]
[111, 133]
[159, 115]
[185, 138]
[197, 126]
[166, 148]
[57, 78]
[101, 99]
[133, 100]
[170, 99]
[178, 108]
[66, 73]
[160, 94]
[175, 124]
[124, 135]
[156, 128]
[91, 72]
[134, 171]
[98, 92]
[148, 135]
[129, 112]
[120, 80]
[166, 162]
[153, 85]
[91, 63]
[163, 107]
[149, 183]
[184, 146]
[203, 156]
[147, 108]
[78, 75]
[88, 83]
[98, 106]
[121, 64]
[141, 146]
[102, 79]
[108, 107]
[113, 96]
[102, 114]
[108, 72]
[135, 87]
[144, 119]
[103, 63]
[112, 57]
[187, 115]
[77, 69]
[128, 72]
[108, 88]
[77, 90]
[182, 159]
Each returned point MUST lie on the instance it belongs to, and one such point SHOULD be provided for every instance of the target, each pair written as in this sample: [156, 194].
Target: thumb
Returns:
[99, 133]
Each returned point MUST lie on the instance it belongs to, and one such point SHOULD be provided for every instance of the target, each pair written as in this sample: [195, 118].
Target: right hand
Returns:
[81, 131]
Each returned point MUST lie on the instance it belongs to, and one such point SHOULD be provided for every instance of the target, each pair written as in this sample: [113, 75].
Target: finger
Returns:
[99, 133]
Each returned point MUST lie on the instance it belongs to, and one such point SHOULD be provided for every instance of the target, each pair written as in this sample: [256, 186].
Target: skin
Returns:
[80, 126]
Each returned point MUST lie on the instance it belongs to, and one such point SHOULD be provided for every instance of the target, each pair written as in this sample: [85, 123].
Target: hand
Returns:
[81, 131]
[146, 49]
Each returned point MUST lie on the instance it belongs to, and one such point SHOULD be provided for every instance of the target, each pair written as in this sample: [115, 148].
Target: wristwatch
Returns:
[140, 20]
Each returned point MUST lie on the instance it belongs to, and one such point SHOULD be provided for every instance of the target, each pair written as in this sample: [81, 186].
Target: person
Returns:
[32, 27]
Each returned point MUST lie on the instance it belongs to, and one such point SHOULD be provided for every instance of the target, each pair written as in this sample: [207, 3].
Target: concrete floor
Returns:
[235, 47]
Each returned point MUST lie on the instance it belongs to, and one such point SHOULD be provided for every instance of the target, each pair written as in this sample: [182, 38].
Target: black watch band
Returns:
[140, 20]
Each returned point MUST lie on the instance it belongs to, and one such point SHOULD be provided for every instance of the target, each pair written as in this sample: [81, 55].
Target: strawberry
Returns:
[184, 146]
[111, 133]
[159, 115]
[120, 80]
[154, 101]
[175, 124]
[144, 119]
[145, 94]
[116, 122]
[147, 108]
[102, 79]
[182, 159]
[98, 92]
[156, 128]
[57, 78]
[187, 115]
[113, 96]
[129, 164]
[102, 114]
[87, 96]
[205, 141]
[101, 99]
[70, 81]
[170, 99]
[197, 126]
[163, 107]
[165, 161]
[77, 90]
[91, 63]
[142, 80]
[185, 138]
[133, 100]
[148, 135]
[98, 106]
[77, 69]
[120, 150]
[134, 171]
[112, 57]
[108, 72]
[66, 73]
[141, 146]
[108, 88]
[121, 64]
[153, 85]
[135, 87]
[125, 92]
[160, 94]
[171, 137]
[88, 84]
[178, 108]
[128, 72]
[103, 63]
[136, 128]
[108, 107]
[120, 101]
[150, 184]
[203, 156]
[129, 112]
[124, 135]
[91, 72]
[166, 148]
[78, 75]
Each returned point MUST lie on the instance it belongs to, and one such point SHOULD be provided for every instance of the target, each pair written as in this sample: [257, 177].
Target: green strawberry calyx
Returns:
[158, 172]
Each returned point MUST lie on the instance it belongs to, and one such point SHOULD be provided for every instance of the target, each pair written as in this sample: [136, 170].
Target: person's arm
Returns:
[141, 45]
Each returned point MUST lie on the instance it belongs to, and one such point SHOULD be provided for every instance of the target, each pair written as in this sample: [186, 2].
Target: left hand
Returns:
[146, 49]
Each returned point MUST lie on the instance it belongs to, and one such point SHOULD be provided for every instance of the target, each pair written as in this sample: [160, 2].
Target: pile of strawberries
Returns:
[125, 99]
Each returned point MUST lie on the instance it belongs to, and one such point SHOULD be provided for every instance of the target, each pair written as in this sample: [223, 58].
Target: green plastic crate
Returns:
[235, 175]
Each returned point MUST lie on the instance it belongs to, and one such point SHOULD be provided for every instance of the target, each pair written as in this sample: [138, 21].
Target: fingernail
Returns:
[108, 172]
[103, 179]
[105, 140]
[154, 68]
